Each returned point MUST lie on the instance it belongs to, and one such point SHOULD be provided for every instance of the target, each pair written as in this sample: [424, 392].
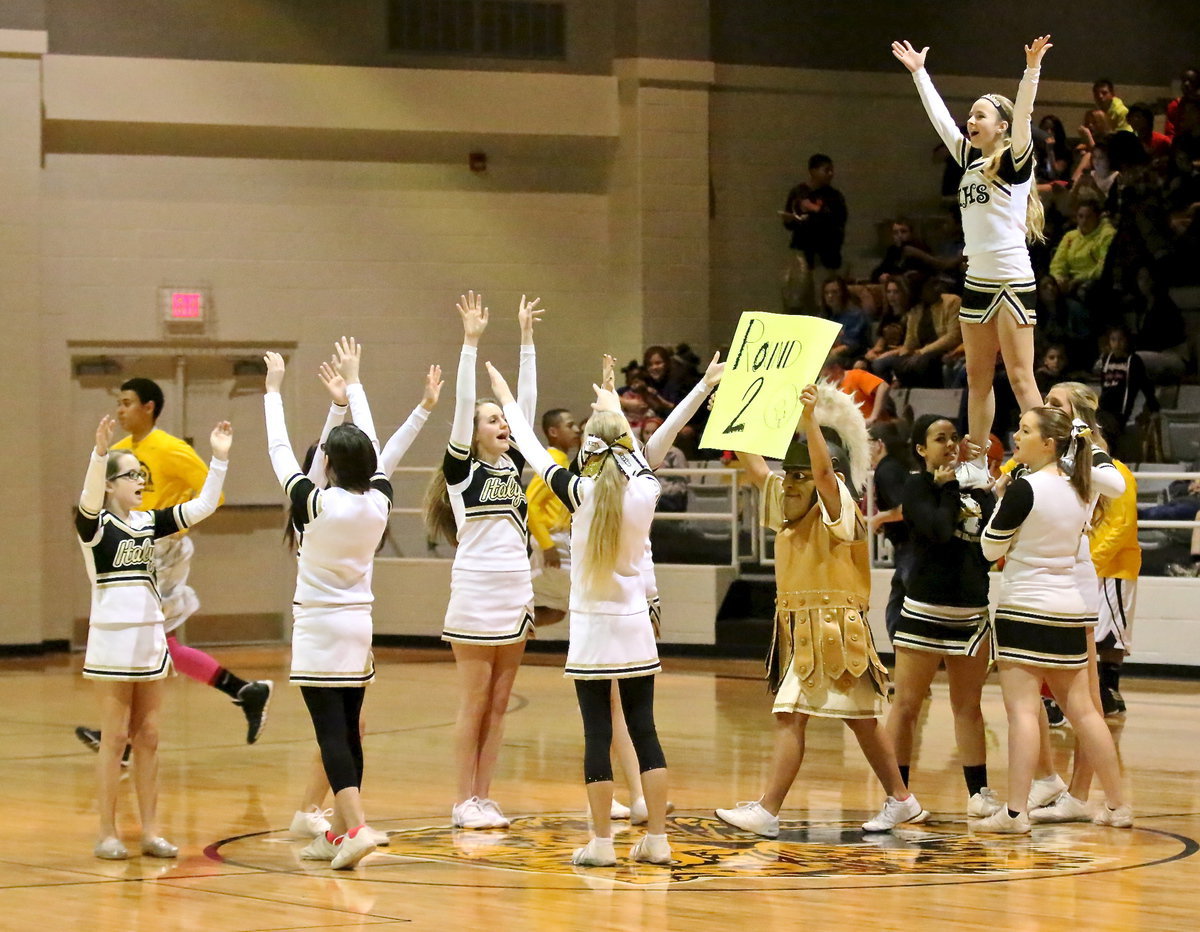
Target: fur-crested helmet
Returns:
[845, 432]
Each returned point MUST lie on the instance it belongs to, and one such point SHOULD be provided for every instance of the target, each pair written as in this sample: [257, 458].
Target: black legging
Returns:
[595, 705]
[335, 713]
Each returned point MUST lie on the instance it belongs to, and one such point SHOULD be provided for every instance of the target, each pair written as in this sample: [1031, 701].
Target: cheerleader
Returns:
[127, 652]
[822, 660]
[475, 501]
[1001, 212]
[611, 636]
[944, 616]
[339, 529]
[1040, 630]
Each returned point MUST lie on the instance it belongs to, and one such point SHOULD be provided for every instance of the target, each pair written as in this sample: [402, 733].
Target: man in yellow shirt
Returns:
[175, 474]
[1118, 559]
[550, 524]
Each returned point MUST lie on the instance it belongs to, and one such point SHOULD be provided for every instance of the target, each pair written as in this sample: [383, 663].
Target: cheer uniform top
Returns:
[945, 608]
[338, 531]
[1000, 275]
[491, 589]
[611, 636]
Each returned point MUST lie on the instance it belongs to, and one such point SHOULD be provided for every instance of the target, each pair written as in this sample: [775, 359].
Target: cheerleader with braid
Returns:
[611, 637]
[1001, 213]
[1041, 628]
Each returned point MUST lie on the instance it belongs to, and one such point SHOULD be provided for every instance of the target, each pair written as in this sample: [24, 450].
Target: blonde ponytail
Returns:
[608, 503]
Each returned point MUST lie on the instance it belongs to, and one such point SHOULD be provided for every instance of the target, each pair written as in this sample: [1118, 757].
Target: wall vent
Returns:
[523, 29]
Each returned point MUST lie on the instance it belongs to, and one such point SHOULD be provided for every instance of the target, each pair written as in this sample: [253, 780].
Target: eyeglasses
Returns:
[134, 474]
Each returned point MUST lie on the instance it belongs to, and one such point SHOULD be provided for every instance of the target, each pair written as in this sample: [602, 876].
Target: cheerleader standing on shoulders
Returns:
[611, 635]
[1001, 213]
[339, 529]
[311, 820]
[945, 611]
[127, 646]
[476, 503]
[822, 660]
[1041, 628]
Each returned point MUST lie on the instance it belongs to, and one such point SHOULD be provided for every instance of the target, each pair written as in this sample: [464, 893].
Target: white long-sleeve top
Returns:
[993, 211]
[487, 499]
[338, 529]
[119, 553]
[624, 592]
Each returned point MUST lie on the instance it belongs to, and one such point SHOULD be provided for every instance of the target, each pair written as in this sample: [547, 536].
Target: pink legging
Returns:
[191, 662]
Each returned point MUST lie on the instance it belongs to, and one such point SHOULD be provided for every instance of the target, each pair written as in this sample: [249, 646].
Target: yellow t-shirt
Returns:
[174, 471]
[547, 513]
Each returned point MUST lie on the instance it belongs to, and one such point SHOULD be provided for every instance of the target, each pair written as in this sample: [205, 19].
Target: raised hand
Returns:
[908, 56]
[275, 370]
[347, 357]
[499, 387]
[221, 440]
[606, 400]
[104, 434]
[433, 387]
[716, 369]
[943, 474]
[333, 381]
[808, 413]
[527, 316]
[1036, 50]
[608, 372]
[474, 317]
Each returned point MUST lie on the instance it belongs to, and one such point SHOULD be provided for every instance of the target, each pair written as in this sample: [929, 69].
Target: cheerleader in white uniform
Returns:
[1001, 212]
[611, 636]
[127, 646]
[1040, 630]
[339, 529]
[476, 502]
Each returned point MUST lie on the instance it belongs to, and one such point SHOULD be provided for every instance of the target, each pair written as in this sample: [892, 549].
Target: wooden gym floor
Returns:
[228, 807]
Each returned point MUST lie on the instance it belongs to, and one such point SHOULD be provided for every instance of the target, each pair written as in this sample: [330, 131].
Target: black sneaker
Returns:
[1118, 701]
[91, 737]
[1108, 702]
[254, 699]
[1054, 713]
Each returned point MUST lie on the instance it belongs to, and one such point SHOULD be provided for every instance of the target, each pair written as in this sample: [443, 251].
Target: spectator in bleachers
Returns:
[946, 258]
[891, 339]
[932, 331]
[1189, 89]
[1112, 106]
[1079, 259]
[900, 257]
[892, 464]
[1053, 368]
[1157, 145]
[1067, 322]
[869, 391]
[1094, 175]
[1185, 144]
[1057, 159]
[674, 488]
[886, 353]
[661, 390]
[815, 214]
[1122, 377]
[1183, 505]
[1138, 208]
[837, 306]
[1161, 340]
[634, 403]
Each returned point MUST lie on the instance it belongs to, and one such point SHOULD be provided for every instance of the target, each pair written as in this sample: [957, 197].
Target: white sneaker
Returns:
[1121, 817]
[652, 849]
[491, 809]
[320, 849]
[468, 814]
[983, 803]
[1043, 792]
[617, 812]
[382, 839]
[110, 849]
[972, 476]
[310, 823]
[894, 812]
[1064, 809]
[1001, 823]
[353, 850]
[751, 817]
[596, 853]
[159, 847]
[638, 814]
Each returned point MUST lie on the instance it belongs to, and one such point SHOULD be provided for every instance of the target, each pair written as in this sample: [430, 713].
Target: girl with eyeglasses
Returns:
[127, 646]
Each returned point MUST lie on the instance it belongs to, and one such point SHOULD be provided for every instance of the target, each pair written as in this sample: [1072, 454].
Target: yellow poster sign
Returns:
[771, 359]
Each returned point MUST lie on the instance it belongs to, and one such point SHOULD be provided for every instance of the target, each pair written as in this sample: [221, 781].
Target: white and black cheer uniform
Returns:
[1000, 276]
[338, 532]
[491, 587]
[126, 638]
[945, 609]
[1041, 617]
